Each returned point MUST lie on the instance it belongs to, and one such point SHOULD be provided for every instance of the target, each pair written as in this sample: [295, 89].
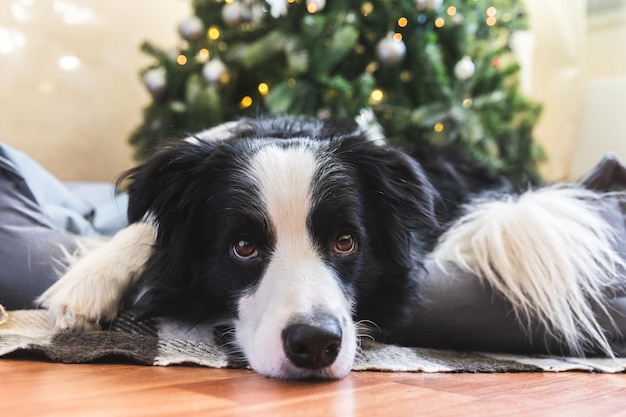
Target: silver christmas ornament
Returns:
[191, 29]
[278, 8]
[390, 51]
[213, 71]
[465, 68]
[234, 13]
[155, 80]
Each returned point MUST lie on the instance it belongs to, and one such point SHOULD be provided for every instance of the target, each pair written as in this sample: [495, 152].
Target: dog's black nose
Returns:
[312, 347]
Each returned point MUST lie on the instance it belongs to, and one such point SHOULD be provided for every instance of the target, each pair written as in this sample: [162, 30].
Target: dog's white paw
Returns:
[82, 299]
[91, 291]
[64, 319]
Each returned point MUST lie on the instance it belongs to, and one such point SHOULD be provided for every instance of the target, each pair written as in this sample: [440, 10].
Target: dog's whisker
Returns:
[366, 324]
[222, 332]
[230, 345]
[364, 331]
[362, 336]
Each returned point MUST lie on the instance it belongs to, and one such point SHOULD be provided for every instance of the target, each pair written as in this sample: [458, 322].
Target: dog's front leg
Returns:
[93, 287]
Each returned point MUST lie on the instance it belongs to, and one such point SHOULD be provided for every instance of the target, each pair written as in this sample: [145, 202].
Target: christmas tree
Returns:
[424, 70]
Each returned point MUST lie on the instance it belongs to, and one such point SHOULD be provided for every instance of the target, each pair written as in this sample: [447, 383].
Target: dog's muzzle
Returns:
[314, 343]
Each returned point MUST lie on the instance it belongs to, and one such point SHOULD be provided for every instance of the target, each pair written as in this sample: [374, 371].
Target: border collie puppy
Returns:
[294, 232]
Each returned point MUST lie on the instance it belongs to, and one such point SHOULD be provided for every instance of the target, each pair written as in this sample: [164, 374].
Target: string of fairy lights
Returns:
[389, 50]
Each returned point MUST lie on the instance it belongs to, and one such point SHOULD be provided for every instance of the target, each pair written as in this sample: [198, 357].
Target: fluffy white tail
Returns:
[550, 252]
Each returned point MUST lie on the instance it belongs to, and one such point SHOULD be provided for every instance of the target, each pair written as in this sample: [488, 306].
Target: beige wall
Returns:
[603, 122]
[579, 74]
[76, 121]
[559, 30]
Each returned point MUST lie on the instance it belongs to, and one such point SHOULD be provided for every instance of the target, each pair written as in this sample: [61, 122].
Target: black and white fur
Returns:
[296, 232]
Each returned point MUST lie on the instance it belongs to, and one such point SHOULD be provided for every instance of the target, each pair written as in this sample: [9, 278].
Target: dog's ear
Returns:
[156, 186]
[167, 190]
[400, 202]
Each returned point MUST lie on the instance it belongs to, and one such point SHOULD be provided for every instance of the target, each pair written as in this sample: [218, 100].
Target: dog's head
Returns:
[293, 230]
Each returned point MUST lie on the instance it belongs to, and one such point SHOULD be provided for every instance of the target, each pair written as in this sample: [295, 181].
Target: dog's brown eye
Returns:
[244, 249]
[345, 244]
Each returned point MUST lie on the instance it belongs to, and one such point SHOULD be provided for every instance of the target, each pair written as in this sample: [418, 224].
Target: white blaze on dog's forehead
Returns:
[285, 177]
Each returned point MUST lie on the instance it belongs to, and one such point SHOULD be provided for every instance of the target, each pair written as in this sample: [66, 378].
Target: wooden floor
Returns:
[34, 388]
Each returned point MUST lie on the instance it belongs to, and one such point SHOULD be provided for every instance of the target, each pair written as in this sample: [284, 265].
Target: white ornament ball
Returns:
[278, 8]
[213, 71]
[431, 5]
[390, 51]
[191, 29]
[234, 13]
[315, 6]
[465, 68]
[155, 80]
